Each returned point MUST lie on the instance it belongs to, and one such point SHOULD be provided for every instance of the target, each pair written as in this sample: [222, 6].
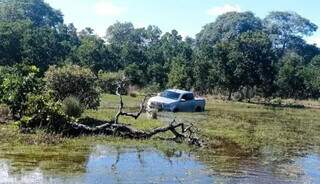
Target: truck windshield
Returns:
[171, 95]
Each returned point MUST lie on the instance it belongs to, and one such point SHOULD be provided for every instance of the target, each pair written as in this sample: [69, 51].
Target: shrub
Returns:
[46, 114]
[40, 102]
[4, 111]
[15, 86]
[134, 94]
[72, 80]
[72, 107]
[276, 101]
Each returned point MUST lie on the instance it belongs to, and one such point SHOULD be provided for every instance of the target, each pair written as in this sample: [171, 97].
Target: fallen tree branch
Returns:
[59, 123]
[110, 128]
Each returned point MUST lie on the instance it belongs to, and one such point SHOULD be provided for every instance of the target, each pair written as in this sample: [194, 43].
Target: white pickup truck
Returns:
[177, 101]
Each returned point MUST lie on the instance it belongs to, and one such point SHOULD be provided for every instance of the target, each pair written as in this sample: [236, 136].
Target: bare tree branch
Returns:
[181, 131]
[121, 106]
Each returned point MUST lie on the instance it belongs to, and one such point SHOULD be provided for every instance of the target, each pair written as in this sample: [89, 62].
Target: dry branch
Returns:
[121, 106]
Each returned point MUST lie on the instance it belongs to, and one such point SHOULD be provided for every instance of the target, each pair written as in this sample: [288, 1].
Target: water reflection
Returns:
[105, 164]
[147, 166]
[110, 165]
[311, 167]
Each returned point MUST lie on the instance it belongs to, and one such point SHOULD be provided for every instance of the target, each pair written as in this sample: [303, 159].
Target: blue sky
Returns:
[186, 16]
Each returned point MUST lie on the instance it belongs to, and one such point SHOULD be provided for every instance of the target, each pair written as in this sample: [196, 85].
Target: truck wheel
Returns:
[175, 110]
[199, 109]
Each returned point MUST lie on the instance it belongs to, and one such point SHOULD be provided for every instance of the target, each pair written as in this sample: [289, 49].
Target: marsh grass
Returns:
[64, 156]
[233, 132]
[239, 129]
[257, 130]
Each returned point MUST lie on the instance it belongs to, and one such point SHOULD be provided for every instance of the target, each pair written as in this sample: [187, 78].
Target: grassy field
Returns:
[239, 128]
[230, 129]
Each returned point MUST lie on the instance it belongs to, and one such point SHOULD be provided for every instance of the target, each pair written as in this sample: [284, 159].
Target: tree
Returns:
[42, 47]
[11, 35]
[21, 42]
[121, 33]
[157, 75]
[302, 48]
[258, 59]
[285, 28]
[94, 54]
[127, 44]
[204, 82]
[68, 36]
[312, 78]
[36, 11]
[86, 32]
[228, 68]
[135, 75]
[227, 27]
[172, 45]
[290, 78]
[245, 62]
[178, 75]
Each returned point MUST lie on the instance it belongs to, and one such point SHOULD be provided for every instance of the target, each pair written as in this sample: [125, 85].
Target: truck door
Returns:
[187, 103]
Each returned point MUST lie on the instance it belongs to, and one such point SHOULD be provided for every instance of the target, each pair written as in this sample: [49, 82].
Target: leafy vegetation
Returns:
[72, 107]
[45, 62]
[236, 52]
[17, 83]
[72, 80]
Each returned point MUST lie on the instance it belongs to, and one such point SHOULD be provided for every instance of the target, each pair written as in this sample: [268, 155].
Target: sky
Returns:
[186, 16]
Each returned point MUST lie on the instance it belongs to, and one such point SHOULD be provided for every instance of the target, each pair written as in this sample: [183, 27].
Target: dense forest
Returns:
[236, 53]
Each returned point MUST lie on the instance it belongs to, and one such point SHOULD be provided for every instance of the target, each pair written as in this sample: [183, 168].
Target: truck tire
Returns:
[175, 110]
[199, 109]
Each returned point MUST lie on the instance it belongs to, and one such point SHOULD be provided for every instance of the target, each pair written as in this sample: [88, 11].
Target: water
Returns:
[107, 164]
[110, 165]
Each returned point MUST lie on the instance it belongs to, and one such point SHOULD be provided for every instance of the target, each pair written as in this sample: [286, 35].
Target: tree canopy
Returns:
[237, 51]
[36, 11]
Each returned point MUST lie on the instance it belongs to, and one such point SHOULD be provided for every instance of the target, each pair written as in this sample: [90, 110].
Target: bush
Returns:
[134, 94]
[108, 82]
[72, 107]
[16, 84]
[46, 114]
[40, 102]
[4, 111]
[72, 80]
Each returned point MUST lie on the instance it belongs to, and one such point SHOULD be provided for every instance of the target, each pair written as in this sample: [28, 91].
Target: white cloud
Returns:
[314, 40]
[215, 11]
[107, 8]
[183, 34]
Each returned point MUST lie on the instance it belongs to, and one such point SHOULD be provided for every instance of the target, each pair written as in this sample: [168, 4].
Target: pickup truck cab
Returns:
[175, 100]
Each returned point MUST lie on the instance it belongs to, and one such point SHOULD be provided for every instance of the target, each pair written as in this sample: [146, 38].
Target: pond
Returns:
[109, 164]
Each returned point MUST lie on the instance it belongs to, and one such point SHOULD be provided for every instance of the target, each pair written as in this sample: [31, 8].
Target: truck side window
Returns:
[188, 97]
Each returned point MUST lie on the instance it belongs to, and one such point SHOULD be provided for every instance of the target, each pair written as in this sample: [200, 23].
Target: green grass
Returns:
[232, 131]
[259, 130]
[69, 155]
[248, 129]
[109, 107]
